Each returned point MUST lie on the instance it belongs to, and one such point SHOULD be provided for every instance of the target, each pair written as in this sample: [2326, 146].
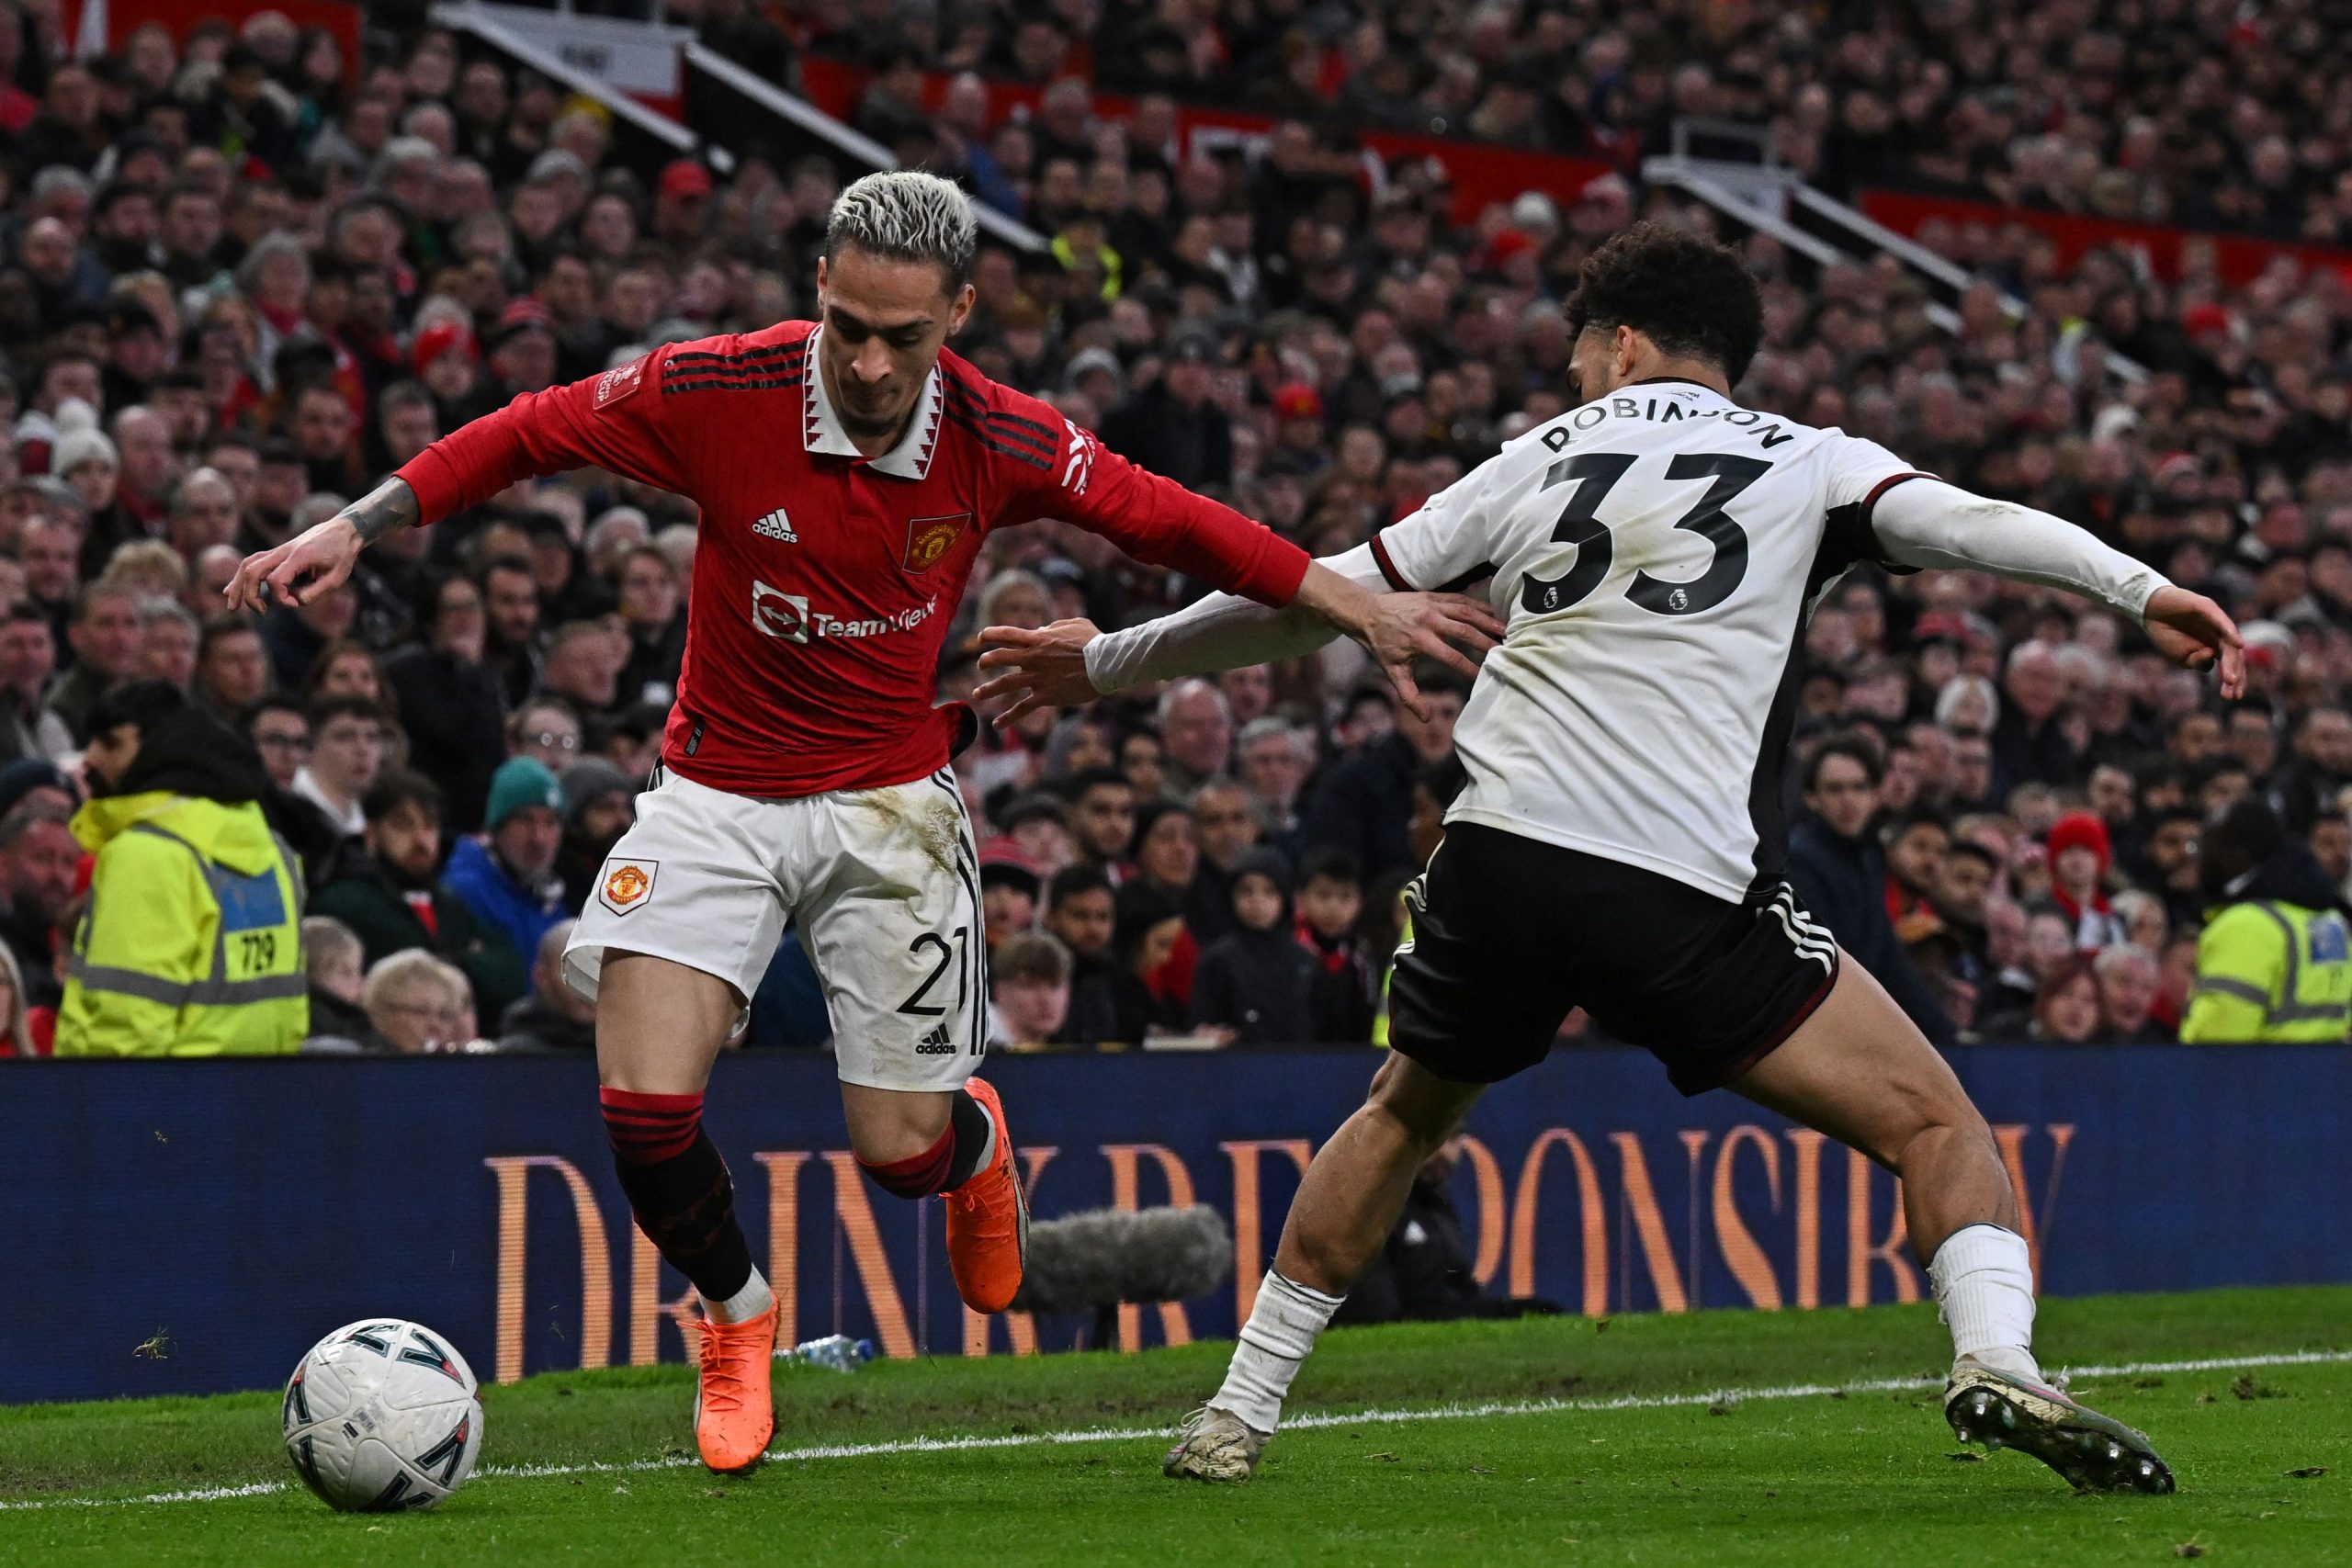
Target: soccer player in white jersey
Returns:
[1619, 844]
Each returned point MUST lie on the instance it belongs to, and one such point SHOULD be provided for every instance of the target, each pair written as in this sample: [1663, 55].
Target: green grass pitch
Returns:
[1606, 1448]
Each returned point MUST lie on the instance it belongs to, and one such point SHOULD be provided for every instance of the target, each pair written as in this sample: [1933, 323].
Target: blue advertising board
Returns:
[176, 1228]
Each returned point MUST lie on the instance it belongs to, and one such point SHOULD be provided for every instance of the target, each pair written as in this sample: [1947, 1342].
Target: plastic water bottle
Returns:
[835, 1352]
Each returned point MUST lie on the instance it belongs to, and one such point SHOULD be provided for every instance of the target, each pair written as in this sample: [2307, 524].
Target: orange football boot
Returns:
[734, 1417]
[987, 1221]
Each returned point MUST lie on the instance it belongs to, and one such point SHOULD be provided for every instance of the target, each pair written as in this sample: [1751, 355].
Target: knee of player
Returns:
[907, 1141]
[1427, 1109]
[1943, 1114]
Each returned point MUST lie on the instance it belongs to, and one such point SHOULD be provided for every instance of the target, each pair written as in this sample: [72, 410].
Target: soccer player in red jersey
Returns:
[846, 471]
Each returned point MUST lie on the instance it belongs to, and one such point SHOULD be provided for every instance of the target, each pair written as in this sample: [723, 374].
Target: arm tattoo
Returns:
[389, 506]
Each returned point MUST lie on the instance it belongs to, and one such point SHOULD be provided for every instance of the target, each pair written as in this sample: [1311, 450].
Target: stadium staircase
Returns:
[727, 113]
[1734, 170]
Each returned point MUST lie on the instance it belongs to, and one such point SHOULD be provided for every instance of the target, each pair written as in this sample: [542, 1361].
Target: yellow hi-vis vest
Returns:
[192, 944]
[2270, 973]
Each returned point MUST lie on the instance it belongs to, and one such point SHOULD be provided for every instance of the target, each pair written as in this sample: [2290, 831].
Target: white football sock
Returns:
[1276, 1339]
[753, 1299]
[1984, 1280]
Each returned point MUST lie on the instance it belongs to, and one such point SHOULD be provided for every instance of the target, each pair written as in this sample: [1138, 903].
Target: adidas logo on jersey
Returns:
[778, 527]
[936, 1043]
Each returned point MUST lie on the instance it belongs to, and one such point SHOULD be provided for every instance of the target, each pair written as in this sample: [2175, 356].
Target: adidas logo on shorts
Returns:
[776, 526]
[936, 1043]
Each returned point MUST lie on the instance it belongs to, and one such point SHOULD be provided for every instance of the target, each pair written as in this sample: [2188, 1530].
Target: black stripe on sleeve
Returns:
[1387, 567]
[1051, 437]
[1002, 426]
[1851, 534]
[786, 358]
[736, 383]
[997, 443]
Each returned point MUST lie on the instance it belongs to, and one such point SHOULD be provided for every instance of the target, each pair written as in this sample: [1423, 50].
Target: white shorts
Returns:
[885, 885]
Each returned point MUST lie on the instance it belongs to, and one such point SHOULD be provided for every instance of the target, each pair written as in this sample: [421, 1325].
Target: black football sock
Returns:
[678, 1188]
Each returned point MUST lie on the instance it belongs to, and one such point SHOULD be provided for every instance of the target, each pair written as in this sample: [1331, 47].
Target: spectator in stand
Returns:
[42, 861]
[418, 1004]
[2066, 1009]
[104, 639]
[509, 595]
[202, 512]
[1010, 886]
[336, 966]
[1914, 847]
[506, 875]
[27, 660]
[346, 753]
[192, 945]
[15, 1030]
[1225, 829]
[1102, 820]
[2315, 780]
[2128, 981]
[1273, 758]
[1079, 911]
[1146, 926]
[1364, 806]
[554, 1017]
[1172, 426]
[391, 899]
[2079, 866]
[1038, 824]
[599, 805]
[1196, 730]
[168, 637]
[2173, 837]
[1256, 982]
[1330, 905]
[583, 667]
[452, 699]
[231, 668]
[2275, 961]
[2029, 744]
[546, 729]
[1029, 991]
[1165, 852]
[1840, 873]
[653, 609]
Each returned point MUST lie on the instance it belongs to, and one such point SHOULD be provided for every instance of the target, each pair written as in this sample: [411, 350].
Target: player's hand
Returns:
[2190, 630]
[1454, 630]
[313, 563]
[1041, 668]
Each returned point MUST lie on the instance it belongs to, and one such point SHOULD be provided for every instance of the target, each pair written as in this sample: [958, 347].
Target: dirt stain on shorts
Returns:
[935, 824]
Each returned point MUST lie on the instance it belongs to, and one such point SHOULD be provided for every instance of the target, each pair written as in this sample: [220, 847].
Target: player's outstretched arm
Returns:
[1926, 523]
[318, 559]
[1071, 662]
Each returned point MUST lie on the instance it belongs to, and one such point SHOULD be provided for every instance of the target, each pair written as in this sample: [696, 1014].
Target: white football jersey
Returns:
[1656, 553]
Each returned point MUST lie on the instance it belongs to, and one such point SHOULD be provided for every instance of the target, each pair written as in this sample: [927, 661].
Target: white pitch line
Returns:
[1313, 1421]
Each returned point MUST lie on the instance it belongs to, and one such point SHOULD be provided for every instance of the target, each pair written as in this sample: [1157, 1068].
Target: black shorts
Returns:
[1510, 933]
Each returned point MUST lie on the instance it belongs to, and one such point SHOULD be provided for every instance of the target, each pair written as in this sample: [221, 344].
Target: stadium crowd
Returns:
[2181, 111]
[239, 284]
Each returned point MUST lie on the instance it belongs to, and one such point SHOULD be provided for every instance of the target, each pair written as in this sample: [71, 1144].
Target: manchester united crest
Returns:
[930, 538]
[627, 885]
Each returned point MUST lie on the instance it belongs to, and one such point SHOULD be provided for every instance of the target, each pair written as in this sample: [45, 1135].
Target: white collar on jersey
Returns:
[821, 428]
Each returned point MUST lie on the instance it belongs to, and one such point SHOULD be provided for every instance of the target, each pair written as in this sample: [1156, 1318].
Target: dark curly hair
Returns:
[1691, 295]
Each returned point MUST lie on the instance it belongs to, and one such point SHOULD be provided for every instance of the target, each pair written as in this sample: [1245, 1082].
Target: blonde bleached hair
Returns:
[907, 215]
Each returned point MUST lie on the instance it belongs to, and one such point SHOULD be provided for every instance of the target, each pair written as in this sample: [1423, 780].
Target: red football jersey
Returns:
[824, 581]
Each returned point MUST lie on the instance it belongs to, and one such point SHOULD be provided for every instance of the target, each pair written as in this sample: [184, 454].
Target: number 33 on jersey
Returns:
[1654, 552]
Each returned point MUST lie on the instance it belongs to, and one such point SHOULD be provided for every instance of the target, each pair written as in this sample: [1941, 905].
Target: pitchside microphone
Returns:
[1098, 1260]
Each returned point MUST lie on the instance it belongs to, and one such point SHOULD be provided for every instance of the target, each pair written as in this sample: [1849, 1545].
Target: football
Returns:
[382, 1415]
